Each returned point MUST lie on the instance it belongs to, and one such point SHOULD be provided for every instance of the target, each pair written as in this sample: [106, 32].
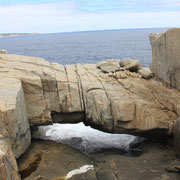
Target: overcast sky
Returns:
[49, 16]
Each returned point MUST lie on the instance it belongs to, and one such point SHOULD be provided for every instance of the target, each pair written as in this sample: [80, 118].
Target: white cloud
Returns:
[65, 17]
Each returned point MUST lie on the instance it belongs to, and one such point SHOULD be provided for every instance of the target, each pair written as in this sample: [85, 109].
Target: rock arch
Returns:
[36, 92]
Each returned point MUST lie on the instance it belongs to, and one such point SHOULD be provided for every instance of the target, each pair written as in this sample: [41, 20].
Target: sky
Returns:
[51, 16]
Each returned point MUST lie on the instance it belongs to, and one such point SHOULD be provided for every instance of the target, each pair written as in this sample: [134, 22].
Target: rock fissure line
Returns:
[112, 119]
[83, 107]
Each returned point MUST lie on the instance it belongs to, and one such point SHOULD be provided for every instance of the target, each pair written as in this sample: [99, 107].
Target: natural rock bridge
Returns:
[36, 92]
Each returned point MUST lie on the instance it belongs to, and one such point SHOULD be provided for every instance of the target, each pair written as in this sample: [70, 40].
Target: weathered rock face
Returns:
[177, 136]
[145, 73]
[74, 93]
[166, 55]
[13, 115]
[108, 66]
[130, 64]
[15, 131]
[8, 165]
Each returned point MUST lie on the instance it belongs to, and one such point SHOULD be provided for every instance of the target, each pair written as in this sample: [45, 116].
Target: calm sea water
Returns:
[84, 47]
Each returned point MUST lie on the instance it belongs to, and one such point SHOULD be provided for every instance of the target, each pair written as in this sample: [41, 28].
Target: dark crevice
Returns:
[80, 89]
[32, 166]
[73, 117]
[67, 81]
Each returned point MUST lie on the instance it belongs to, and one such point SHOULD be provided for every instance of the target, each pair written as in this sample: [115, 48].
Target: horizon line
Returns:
[39, 33]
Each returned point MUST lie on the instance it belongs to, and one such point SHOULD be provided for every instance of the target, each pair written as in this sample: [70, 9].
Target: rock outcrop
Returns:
[36, 92]
[82, 92]
[15, 131]
[145, 73]
[132, 65]
[166, 55]
[108, 66]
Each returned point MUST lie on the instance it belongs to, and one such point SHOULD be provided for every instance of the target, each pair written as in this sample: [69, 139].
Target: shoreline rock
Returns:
[165, 56]
[36, 92]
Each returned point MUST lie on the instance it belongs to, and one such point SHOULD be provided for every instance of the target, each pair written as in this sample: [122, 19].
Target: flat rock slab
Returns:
[55, 162]
[150, 165]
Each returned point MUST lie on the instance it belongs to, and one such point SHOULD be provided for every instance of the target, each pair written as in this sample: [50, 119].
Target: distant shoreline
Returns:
[17, 34]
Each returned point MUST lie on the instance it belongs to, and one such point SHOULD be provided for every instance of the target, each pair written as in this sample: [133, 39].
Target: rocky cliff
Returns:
[165, 56]
[166, 64]
[111, 96]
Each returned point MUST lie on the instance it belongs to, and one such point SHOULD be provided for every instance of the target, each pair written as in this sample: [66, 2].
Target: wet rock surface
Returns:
[55, 161]
[58, 159]
[90, 141]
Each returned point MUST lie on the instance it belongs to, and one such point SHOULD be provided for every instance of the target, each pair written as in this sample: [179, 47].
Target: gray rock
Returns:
[145, 73]
[108, 66]
[131, 64]
[166, 56]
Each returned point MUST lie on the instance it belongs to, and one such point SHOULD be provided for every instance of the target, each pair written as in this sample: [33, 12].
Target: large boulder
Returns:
[124, 103]
[145, 73]
[13, 117]
[110, 65]
[39, 92]
[166, 56]
[131, 64]
[8, 165]
[15, 134]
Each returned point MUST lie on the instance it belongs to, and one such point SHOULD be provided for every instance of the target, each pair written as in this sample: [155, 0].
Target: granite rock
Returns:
[131, 64]
[36, 92]
[111, 65]
[165, 56]
[145, 73]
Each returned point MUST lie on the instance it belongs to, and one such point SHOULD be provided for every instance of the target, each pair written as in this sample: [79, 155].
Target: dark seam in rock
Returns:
[82, 93]
[69, 89]
[57, 88]
[79, 87]
[110, 104]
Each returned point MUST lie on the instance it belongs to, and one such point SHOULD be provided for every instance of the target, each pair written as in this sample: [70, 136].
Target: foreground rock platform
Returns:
[48, 160]
[58, 159]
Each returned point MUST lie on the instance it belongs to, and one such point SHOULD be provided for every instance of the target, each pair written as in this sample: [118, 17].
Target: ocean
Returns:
[84, 47]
